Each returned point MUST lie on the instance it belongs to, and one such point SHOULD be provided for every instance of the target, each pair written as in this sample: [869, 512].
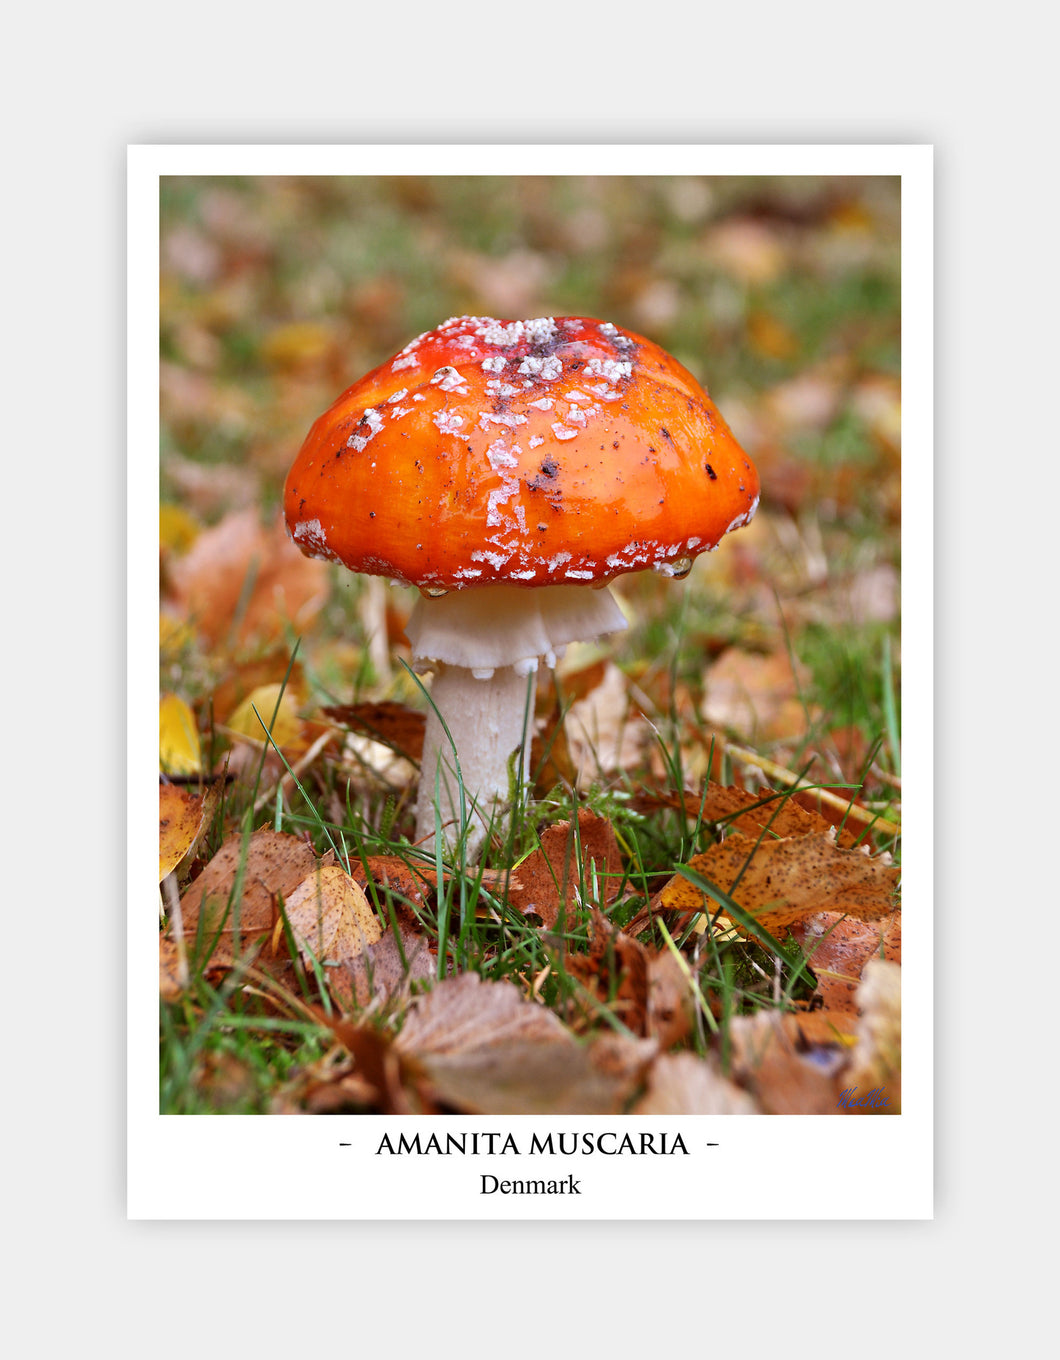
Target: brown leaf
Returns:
[376, 1071]
[783, 1076]
[780, 814]
[670, 999]
[787, 880]
[578, 683]
[210, 581]
[739, 810]
[480, 1048]
[622, 1056]
[838, 949]
[275, 863]
[550, 756]
[524, 1078]
[551, 877]
[395, 725]
[681, 1083]
[170, 987]
[614, 973]
[327, 1089]
[648, 991]
[464, 1013]
[379, 975]
[756, 696]
[391, 872]
[604, 732]
[476, 1047]
[820, 1029]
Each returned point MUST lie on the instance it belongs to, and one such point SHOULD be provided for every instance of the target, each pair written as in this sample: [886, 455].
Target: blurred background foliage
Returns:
[780, 294]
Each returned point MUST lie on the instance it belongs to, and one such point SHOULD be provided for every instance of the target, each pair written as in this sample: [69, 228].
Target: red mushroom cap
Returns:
[558, 450]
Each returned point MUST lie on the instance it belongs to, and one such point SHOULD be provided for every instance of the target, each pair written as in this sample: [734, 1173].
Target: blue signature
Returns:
[872, 1100]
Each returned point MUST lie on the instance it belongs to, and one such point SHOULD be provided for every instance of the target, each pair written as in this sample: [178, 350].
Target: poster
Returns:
[795, 284]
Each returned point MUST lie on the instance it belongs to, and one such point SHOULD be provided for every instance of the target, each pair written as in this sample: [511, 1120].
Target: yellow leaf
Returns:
[298, 344]
[770, 336]
[330, 916]
[178, 737]
[173, 635]
[681, 895]
[182, 818]
[285, 727]
[176, 528]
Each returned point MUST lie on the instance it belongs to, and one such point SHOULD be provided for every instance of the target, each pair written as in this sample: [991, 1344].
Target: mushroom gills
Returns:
[492, 626]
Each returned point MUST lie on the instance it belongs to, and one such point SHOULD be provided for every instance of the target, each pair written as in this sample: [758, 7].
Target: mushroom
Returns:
[510, 470]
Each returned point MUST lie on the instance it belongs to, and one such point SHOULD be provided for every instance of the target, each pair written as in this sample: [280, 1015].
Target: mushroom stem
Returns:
[488, 721]
[482, 645]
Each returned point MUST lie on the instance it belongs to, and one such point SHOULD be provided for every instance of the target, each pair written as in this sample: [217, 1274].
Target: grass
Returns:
[225, 1048]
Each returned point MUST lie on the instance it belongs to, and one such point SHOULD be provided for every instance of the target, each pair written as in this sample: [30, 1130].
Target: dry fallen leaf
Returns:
[241, 575]
[275, 667]
[821, 1029]
[464, 1013]
[550, 752]
[171, 970]
[648, 990]
[613, 974]
[671, 998]
[603, 732]
[739, 810]
[480, 1047]
[838, 948]
[756, 696]
[523, 1078]
[178, 737]
[385, 872]
[330, 917]
[393, 724]
[878, 1056]
[268, 709]
[384, 971]
[781, 1075]
[274, 863]
[784, 881]
[681, 1083]
[551, 877]
[183, 818]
